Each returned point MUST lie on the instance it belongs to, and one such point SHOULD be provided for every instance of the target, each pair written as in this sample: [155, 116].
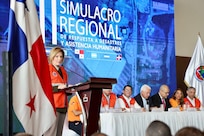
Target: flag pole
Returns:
[7, 89]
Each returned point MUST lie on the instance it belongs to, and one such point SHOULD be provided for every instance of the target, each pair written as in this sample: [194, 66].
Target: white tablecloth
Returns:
[135, 124]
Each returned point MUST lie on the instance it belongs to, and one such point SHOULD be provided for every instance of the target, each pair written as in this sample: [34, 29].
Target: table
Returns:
[135, 124]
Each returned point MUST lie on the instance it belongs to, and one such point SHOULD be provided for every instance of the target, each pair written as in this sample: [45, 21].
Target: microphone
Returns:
[80, 78]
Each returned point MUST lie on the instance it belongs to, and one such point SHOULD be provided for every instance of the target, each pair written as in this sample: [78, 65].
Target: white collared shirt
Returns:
[162, 99]
[107, 98]
[192, 101]
[144, 101]
[122, 103]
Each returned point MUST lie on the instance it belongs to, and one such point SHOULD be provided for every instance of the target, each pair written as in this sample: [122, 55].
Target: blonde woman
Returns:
[59, 79]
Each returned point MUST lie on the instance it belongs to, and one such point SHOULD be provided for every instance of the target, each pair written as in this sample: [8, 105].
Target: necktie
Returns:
[163, 102]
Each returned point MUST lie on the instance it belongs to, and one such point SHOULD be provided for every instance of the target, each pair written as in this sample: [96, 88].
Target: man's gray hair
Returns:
[143, 87]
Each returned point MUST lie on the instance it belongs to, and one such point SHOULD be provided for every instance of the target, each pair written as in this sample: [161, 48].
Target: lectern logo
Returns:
[85, 98]
[199, 73]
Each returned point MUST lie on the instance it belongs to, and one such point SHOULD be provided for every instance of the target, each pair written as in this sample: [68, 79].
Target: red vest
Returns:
[132, 101]
[112, 100]
[60, 98]
[197, 102]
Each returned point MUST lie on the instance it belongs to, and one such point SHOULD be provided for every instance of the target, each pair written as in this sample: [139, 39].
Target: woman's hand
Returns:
[62, 86]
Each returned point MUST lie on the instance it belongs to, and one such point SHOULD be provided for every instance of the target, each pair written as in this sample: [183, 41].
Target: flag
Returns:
[79, 53]
[194, 75]
[33, 101]
[119, 57]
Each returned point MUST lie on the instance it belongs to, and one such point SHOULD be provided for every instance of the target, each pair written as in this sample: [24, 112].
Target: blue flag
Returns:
[32, 91]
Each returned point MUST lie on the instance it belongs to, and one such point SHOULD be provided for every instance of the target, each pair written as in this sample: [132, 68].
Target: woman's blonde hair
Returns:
[53, 53]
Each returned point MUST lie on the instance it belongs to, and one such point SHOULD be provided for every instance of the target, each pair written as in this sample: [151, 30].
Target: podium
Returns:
[90, 93]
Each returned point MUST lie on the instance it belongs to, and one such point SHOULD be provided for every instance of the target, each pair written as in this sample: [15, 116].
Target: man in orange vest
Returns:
[108, 100]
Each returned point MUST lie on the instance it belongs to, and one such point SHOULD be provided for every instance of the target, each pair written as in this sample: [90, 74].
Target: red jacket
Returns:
[60, 98]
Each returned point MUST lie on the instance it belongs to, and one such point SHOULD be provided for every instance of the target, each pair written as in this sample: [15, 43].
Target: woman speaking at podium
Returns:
[59, 79]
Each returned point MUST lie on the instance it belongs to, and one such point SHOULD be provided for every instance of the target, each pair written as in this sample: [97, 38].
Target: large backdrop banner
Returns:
[130, 40]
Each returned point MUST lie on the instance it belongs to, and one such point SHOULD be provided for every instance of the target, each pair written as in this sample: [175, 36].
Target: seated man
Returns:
[143, 98]
[161, 98]
[108, 99]
[191, 100]
[125, 100]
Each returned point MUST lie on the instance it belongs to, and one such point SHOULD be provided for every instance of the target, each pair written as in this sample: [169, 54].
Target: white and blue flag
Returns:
[32, 91]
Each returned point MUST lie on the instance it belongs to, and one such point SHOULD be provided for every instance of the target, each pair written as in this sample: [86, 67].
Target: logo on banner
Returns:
[119, 57]
[79, 53]
[94, 55]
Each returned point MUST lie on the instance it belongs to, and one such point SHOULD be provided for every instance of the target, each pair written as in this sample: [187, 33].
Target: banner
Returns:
[130, 41]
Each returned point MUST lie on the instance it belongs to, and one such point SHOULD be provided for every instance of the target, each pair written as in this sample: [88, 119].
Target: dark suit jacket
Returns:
[138, 98]
[156, 101]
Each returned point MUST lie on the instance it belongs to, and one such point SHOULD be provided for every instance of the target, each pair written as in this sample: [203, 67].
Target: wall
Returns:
[189, 21]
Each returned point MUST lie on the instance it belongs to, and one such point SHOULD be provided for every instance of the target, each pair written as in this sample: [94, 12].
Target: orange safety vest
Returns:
[132, 101]
[197, 102]
[60, 98]
[112, 100]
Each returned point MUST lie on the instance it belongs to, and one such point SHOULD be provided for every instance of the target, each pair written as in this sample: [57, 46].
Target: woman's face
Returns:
[58, 59]
[178, 94]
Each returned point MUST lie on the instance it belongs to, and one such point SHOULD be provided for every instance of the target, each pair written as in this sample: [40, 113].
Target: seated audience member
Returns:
[191, 100]
[126, 101]
[161, 98]
[143, 98]
[158, 128]
[108, 99]
[177, 100]
[74, 112]
[189, 131]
